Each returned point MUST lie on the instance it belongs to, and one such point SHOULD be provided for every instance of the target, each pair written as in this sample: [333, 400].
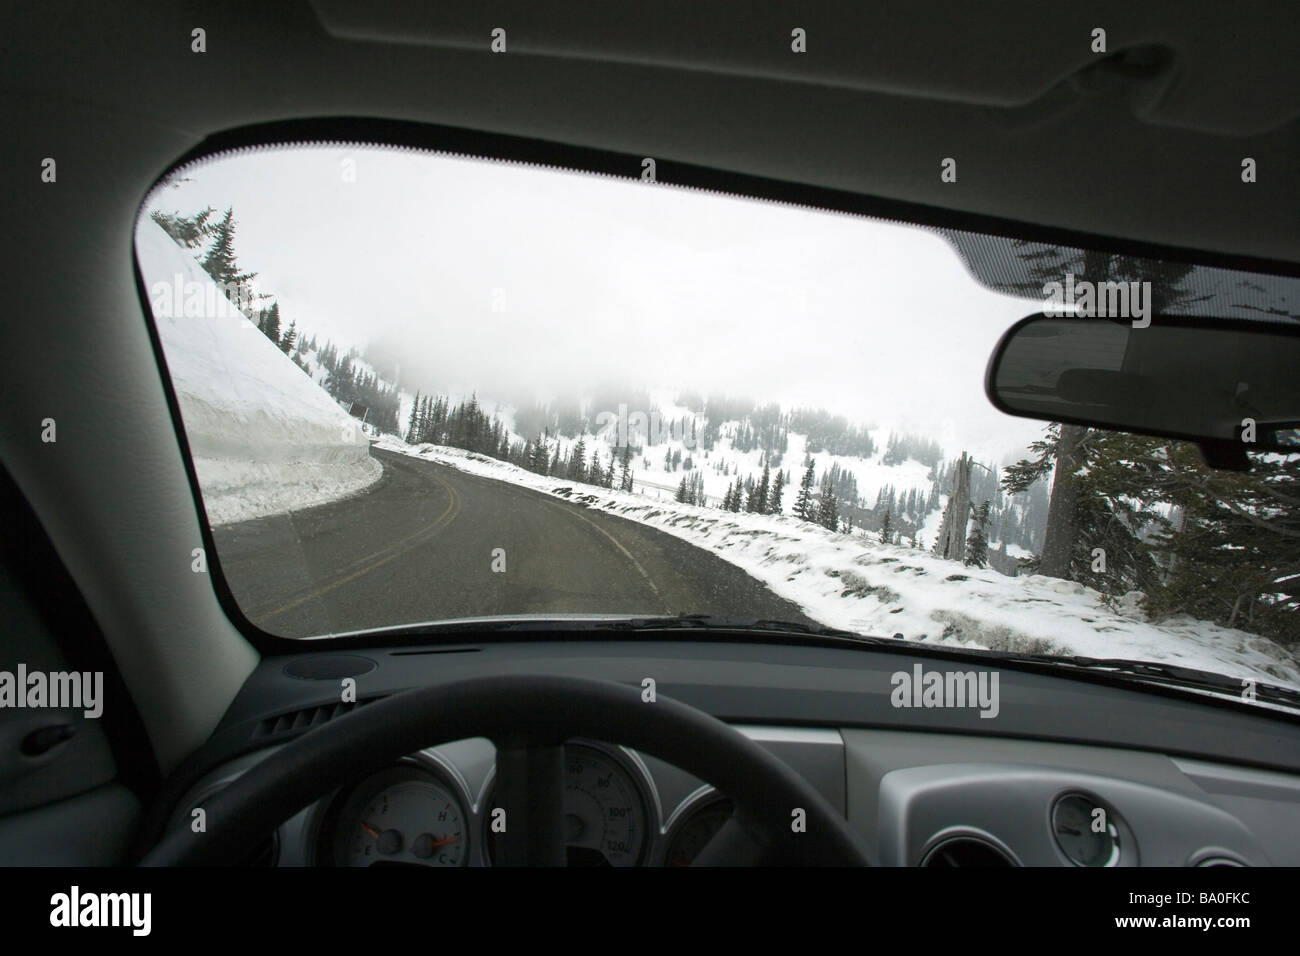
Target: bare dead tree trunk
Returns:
[1177, 521]
[1236, 607]
[951, 542]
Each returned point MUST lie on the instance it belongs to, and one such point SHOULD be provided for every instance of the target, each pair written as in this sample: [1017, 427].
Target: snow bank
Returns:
[855, 583]
[265, 438]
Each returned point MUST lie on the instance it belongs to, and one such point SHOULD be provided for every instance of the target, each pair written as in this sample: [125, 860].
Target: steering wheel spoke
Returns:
[530, 789]
[733, 845]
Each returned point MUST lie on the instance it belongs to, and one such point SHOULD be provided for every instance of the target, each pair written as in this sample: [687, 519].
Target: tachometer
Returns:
[401, 817]
[694, 832]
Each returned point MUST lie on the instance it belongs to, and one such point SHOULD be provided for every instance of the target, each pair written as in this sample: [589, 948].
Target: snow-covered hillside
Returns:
[706, 451]
[265, 438]
[853, 582]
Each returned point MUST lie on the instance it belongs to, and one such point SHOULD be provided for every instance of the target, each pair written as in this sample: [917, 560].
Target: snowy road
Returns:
[418, 546]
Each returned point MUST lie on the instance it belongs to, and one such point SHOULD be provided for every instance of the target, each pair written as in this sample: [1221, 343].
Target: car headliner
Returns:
[1144, 146]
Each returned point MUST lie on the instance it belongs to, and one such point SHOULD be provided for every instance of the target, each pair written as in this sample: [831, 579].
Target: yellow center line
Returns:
[381, 557]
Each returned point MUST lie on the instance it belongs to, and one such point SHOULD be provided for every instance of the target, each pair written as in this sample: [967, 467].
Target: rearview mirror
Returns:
[1229, 385]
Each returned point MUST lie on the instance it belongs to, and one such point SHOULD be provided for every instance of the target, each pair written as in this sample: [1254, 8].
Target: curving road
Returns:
[418, 546]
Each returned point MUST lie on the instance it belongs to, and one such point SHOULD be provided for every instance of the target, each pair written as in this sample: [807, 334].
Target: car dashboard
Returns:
[1071, 772]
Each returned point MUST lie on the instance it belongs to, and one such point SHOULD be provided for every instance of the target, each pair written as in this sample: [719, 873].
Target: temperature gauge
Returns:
[401, 817]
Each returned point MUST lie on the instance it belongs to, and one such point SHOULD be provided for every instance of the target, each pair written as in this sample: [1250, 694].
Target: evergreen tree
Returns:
[1095, 502]
[827, 510]
[220, 260]
[1252, 516]
[758, 500]
[625, 476]
[774, 500]
[540, 458]
[887, 527]
[271, 324]
[412, 433]
[577, 463]
[977, 542]
[189, 232]
[803, 504]
[290, 337]
[732, 501]
[430, 430]
[1063, 453]
[1066, 451]
[681, 490]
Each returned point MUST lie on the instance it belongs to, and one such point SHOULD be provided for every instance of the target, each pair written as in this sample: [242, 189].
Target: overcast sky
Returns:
[597, 280]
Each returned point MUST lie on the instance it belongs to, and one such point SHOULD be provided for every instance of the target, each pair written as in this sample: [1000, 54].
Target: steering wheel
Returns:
[778, 818]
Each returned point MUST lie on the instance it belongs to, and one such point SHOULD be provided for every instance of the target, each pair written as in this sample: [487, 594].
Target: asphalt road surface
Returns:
[418, 546]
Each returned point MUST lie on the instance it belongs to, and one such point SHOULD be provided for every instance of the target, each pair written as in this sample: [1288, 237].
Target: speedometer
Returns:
[401, 817]
[605, 819]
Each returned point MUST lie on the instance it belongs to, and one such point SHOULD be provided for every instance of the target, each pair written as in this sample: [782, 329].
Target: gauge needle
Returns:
[369, 829]
[445, 840]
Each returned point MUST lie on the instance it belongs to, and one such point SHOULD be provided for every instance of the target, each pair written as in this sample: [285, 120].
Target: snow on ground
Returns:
[855, 583]
[718, 466]
[871, 473]
[265, 438]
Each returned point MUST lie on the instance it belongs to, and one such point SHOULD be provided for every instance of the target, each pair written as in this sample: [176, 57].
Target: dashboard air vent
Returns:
[299, 720]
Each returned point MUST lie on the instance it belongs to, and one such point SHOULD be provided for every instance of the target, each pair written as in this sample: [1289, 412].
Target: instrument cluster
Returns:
[432, 811]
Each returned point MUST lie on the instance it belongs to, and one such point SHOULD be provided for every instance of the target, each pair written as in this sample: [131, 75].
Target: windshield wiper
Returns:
[718, 622]
[1149, 671]
[724, 622]
[629, 622]
[713, 623]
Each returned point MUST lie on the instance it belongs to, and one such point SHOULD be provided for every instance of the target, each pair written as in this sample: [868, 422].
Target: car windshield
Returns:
[418, 387]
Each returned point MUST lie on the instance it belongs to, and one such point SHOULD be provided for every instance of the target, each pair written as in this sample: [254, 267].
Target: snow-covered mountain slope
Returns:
[265, 438]
[853, 582]
[670, 451]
